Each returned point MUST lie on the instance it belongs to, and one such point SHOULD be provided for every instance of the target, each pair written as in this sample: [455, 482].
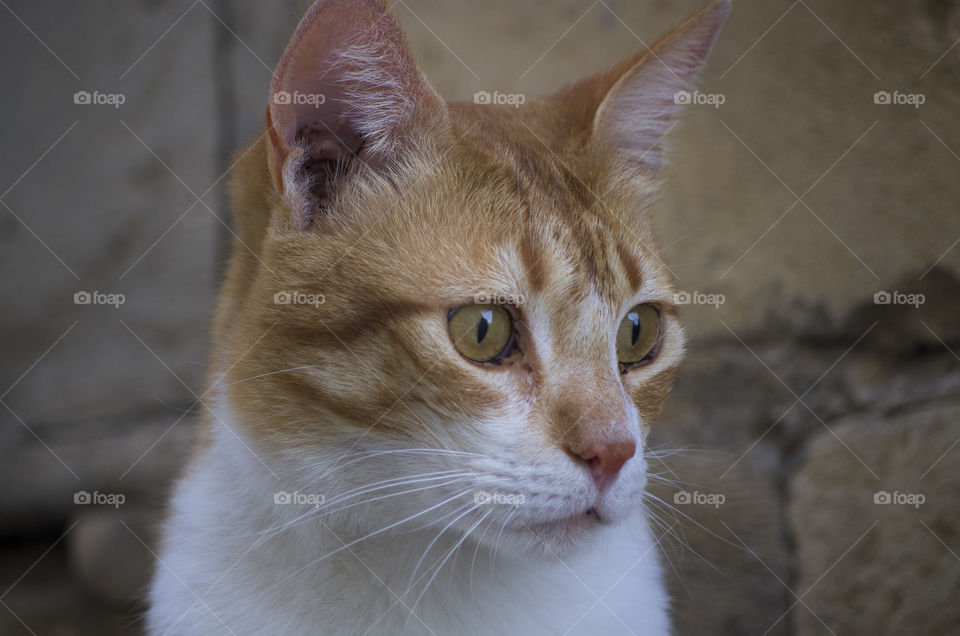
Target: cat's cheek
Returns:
[649, 393]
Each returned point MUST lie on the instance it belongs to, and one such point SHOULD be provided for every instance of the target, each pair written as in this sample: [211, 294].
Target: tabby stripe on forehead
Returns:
[631, 266]
[532, 259]
[552, 185]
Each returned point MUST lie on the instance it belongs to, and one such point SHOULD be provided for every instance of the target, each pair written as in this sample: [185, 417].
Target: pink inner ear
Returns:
[636, 112]
[307, 104]
[348, 79]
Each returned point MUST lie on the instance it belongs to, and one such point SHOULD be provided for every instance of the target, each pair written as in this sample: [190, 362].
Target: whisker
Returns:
[669, 452]
[431, 523]
[368, 454]
[667, 530]
[363, 538]
[322, 511]
[415, 450]
[473, 562]
[399, 599]
[346, 495]
[263, 375]
[676, 483]
[496, 546]
[394, 481]
[451, 552]
[435, 451]
[689, 518]
[395, 494]
[471, 506]
[686, 545]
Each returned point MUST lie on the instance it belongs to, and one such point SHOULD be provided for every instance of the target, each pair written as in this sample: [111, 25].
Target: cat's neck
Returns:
[329, 571]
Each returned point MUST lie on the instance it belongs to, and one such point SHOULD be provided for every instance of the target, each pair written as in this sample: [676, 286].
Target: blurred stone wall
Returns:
[804, 404]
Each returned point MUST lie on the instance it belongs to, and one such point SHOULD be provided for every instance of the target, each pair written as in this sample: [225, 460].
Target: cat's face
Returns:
[466, 300]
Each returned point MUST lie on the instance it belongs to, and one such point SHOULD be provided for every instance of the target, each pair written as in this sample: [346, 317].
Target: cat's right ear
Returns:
[628, 108]
[346, 90]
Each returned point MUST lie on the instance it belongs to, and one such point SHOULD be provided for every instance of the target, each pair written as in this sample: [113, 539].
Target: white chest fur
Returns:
[217, 575]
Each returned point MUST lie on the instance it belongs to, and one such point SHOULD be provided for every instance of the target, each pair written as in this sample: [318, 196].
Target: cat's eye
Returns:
[638, 335]
[482, 333]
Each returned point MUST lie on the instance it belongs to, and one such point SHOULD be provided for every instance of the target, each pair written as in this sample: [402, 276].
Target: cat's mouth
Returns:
[571, 525]
[559, 536]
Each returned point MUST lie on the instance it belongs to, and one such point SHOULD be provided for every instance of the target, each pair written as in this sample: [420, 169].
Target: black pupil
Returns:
[483, 326]
[635, 332]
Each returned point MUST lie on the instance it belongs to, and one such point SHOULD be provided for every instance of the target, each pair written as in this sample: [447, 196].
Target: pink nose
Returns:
[606, 459]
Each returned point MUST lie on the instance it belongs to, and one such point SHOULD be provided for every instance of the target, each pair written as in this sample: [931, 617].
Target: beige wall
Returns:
[882, 205]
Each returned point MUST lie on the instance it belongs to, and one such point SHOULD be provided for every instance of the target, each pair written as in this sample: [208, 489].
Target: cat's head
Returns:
[464, 297]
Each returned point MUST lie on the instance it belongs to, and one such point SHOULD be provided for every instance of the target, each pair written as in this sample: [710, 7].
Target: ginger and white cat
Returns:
[442, 341]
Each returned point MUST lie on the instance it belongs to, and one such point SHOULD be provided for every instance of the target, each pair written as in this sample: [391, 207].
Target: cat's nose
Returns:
[606, 458]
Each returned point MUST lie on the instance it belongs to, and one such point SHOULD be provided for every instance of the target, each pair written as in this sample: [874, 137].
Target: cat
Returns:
[443, 337]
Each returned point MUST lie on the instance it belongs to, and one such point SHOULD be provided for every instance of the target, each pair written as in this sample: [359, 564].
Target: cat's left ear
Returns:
[346, 90]
[628, 108]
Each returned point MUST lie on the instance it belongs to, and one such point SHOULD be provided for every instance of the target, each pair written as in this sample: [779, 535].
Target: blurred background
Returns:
[811, 218]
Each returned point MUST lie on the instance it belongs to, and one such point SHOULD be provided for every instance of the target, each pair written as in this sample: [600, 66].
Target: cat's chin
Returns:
[553, 539]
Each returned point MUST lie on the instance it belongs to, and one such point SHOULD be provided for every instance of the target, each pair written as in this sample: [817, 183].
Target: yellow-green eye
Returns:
[482, 333]
[638, 334]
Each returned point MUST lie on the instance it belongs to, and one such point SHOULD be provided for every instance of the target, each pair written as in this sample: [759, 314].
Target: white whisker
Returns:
[263, 375]
[476, 550]
[363, 538]
[496, 546]
[321, 511]
[469, 507]
[452, 551]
